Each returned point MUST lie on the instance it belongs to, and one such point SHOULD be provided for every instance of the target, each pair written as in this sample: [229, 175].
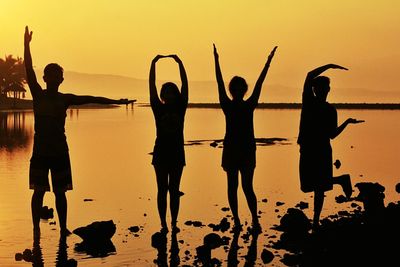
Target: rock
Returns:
[134, 229]
[278, 203]
[46, 213]
[98, 232]
[225, 209]
[213, 241]
[267, 256]
[87, 199]
[264, 200]
[214, 144]
[302, 205]
[27, 255]
[294, 221]
[337, 164]
[19, 257]
[372, 196]
[158, 240]
[398, 188]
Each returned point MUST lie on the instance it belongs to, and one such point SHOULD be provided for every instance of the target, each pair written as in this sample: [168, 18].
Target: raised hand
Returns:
[354, 121]
[271, 55]
[215, 51]
[156, 58]
[334, 66]
[28, 35]
[175, 57]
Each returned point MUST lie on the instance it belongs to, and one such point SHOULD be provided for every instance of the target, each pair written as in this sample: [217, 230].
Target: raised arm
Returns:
[72, 99]
[257, 88]
[340, 129]
[184, 80]
[154, 99]
[223, 97]
[34, 86]
[307, 90]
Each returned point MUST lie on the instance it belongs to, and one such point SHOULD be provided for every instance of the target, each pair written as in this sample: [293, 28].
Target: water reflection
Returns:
[251, 256]
[159, 242]
[14, 132]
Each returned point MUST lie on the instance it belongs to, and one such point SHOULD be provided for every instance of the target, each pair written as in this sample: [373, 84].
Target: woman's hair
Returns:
[320, 85]
[238, 87]
[171, 88]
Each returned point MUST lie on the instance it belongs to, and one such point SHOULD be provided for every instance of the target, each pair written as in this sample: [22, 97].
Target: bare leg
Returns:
[36, 206]
[61, 206]
[247, 185]
[233, 182]
[345, 181]
[318, 203]
[174, 183]
[162, 190]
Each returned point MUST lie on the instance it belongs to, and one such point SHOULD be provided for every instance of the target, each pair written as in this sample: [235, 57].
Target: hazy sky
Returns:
[122, 36]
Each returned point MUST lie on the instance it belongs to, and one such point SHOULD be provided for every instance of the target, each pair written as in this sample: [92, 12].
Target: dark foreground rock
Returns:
[96, 238]
[367, 237]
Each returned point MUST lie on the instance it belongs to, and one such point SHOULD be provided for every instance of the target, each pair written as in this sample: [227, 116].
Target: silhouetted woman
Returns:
[168, 155]
[318, 124]
[239, 152]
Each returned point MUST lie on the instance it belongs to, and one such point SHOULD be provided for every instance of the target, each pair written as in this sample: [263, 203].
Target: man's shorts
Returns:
[60, 167]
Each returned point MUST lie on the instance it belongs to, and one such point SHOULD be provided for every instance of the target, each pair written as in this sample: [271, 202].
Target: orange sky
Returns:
[122, 36]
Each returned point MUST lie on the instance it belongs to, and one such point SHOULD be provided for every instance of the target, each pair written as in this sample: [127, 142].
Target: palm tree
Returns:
[12, 75]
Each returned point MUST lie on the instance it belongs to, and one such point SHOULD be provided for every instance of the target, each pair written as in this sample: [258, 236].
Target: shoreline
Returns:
[10, 104]
[373, 106]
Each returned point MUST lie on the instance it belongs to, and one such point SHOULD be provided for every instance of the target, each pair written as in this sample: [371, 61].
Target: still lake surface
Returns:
[111, 164]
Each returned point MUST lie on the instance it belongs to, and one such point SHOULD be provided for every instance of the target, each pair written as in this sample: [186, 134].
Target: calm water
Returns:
[109, 150]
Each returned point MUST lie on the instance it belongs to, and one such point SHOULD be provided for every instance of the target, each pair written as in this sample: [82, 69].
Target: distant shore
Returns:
[377, 106]
[26, 104]
[11, 104]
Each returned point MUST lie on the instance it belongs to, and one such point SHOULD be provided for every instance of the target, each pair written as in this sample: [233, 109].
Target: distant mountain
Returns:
[114, 86]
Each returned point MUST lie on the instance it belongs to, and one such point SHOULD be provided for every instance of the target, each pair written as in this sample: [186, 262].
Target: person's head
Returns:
[170, 93]
[238, 87]
[53, 75]
[321, 87]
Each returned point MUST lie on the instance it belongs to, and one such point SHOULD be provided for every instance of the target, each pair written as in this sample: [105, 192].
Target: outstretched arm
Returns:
[184, 80]
[223, 97]
[257, 88]
[154, 99]
[340, 129]
[307, 90]
[72, 99]
[34, 86]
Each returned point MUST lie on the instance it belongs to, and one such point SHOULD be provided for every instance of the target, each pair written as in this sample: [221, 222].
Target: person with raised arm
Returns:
[168, 154]
[50, 148]
[239, 152]
[318, 124]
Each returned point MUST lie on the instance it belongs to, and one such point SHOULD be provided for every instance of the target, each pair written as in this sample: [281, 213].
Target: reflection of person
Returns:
[50, 149]
[239, 152]
[168, 155]
[318, 124]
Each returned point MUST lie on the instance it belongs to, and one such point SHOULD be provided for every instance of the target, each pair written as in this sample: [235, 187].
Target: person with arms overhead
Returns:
[168, 154]
[50, 148]
[318, 124]
[239, 152]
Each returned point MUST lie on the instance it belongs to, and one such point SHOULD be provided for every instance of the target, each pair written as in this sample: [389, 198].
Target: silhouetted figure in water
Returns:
[239, 152]
[318, 124]
[168, 155]
[50, 149]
